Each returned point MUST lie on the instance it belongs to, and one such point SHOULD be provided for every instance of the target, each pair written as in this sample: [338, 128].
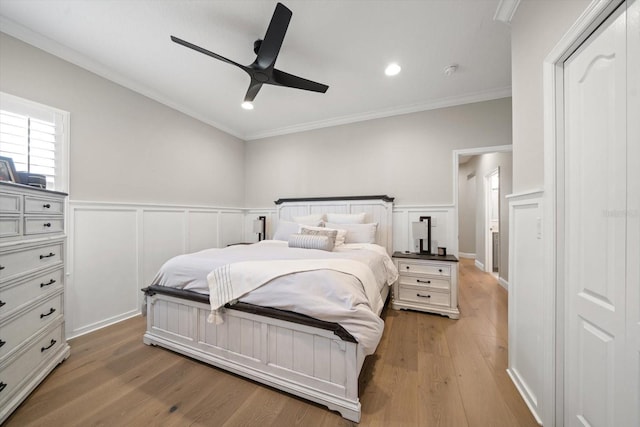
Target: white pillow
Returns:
[335, 218]
[340, 233]
[313, 220]
[358, 233]
[285, 229]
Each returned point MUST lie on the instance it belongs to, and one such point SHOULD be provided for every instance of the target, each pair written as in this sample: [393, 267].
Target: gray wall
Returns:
[408, 156]
[126, 147]
[535, 29]
[467, 189]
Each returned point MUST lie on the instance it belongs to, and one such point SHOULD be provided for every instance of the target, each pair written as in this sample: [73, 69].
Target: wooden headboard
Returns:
[377, 208]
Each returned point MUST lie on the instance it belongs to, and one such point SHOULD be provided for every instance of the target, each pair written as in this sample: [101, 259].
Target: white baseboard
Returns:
[503, 283]
[526, 394]
[479, 265]
[466, 255]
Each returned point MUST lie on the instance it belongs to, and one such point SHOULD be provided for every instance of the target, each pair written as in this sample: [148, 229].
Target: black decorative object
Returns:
[442, 251]
[423, 232]
[262, 70]
[260, 227]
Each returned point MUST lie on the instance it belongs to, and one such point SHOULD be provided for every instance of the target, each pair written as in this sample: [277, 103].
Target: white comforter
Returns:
[324, 294]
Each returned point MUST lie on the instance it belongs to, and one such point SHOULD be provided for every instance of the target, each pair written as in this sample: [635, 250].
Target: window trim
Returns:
[62, 149]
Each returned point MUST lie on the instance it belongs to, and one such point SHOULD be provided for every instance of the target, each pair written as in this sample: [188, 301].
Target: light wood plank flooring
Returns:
[427, 371]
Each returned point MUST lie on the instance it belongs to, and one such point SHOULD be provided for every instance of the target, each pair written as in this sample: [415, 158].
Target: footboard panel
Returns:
[303, 360]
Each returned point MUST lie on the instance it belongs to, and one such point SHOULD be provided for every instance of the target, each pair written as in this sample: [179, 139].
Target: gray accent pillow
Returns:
[311, 241]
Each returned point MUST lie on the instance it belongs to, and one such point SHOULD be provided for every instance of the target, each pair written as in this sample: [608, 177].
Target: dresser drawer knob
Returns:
[2, 385]
[51, 311]
[1, 267]
[50, 282]
[53, 342]
[408, 267]
[440, 270]
[423, 296]
[47, 256]
[2, 303]
[423, 281]
[2, 343]
[47, 224]
[46, 206]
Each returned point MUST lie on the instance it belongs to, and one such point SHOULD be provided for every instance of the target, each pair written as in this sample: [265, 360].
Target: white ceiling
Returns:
[344, 44]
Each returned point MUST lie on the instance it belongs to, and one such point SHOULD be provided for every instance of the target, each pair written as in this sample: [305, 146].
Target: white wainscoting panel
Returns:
[102, 284]
[115, 250]
[527, 345]
[163, 237]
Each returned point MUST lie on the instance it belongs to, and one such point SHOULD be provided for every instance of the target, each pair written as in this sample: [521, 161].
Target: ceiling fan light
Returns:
[392, 69]
[247, 105]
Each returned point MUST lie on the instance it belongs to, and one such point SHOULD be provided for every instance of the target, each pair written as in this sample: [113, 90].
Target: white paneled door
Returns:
[601, 226]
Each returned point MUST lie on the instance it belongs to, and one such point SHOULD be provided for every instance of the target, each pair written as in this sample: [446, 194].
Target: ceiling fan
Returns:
[262, 70]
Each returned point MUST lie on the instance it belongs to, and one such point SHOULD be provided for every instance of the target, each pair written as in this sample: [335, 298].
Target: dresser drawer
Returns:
[19, 262]
[15, 295]
[17, 329]
[9, 226]
[423, 281]
[422, 296]
[43, 225]
[19, 370]
[34, 204]
[10, 203]
[420, 268]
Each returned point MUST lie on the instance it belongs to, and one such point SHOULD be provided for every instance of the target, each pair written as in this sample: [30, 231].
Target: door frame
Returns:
[488, 236]
[456, 166]
[553, 203]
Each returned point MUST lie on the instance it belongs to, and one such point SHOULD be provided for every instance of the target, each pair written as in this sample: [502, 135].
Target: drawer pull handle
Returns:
[53, 342]
[2, 343]
[47, 224]
[47, 256]
[51, 311]
[50, 282]
[440, 270]
[408, 267]
[423, 296]
[2, 303]
[1, 267]
[423, 281]
[2, 386]
[46, 206]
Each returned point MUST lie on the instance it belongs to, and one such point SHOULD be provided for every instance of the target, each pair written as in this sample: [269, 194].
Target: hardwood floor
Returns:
[427, 371]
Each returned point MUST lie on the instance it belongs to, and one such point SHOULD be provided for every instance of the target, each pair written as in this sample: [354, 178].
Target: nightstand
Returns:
[426, 283]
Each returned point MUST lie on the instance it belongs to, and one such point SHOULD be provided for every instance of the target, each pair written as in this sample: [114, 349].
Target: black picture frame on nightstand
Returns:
[428, 220]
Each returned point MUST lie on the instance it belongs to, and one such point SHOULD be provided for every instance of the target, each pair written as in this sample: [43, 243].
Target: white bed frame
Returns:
[306, 361]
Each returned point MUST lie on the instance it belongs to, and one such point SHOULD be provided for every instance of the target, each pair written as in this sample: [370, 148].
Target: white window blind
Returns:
[33, 135]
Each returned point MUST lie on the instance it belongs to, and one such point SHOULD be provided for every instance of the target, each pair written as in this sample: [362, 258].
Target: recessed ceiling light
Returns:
[247, 105]
[392, 69]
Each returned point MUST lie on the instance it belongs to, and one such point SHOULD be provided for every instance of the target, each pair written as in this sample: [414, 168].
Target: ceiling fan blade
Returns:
[285, 79]
[206, 52]
[274, 37]
[254, 88]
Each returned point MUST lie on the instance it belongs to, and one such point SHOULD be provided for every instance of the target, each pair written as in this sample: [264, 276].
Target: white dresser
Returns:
[426, 283]
[32, 248]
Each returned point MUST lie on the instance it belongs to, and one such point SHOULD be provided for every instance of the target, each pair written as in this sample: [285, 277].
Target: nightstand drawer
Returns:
[420, 268]
[422, 281]
[415, 294]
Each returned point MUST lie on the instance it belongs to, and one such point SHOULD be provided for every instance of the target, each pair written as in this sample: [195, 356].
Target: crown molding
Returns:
[505, 11]
[489, 95]
[70, 55]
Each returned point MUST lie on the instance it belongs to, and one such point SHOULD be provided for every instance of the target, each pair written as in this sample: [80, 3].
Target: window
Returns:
[35, 136]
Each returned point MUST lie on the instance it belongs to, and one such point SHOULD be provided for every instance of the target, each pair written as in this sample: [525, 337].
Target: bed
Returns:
[283, 333]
